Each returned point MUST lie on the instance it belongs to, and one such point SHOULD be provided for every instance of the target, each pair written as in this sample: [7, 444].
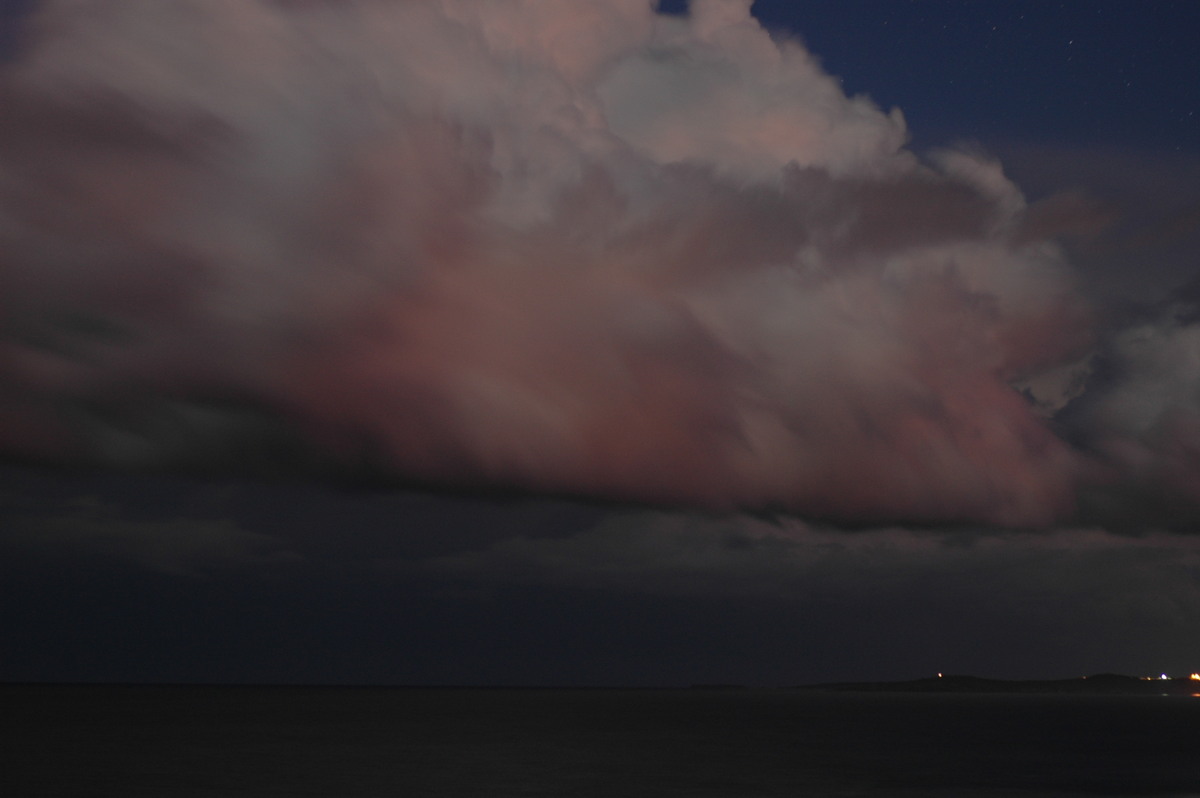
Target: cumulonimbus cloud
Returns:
[572, 247]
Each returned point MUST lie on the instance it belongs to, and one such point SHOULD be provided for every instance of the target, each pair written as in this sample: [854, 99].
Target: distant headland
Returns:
[1101, 683]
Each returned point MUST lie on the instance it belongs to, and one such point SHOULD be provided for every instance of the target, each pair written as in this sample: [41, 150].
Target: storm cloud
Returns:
[580, 248]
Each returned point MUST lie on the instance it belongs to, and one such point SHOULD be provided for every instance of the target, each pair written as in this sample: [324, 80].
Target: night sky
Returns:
[505, 342]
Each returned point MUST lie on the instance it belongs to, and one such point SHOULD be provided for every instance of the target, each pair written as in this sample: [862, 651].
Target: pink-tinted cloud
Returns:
[572, 247]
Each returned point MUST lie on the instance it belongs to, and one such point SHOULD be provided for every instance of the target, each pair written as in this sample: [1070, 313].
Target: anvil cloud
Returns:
[582, 248]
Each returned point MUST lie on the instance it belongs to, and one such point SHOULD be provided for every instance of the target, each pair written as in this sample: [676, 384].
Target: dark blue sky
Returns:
[1114, 73]
[1099, 97]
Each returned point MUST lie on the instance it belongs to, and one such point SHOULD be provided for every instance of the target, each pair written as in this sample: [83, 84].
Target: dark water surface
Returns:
[238, 741]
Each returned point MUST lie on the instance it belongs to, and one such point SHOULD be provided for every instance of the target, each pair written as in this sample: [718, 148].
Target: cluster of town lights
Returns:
[1195, 677]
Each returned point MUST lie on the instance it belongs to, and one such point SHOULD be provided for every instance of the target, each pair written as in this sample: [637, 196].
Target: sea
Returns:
[590, 743]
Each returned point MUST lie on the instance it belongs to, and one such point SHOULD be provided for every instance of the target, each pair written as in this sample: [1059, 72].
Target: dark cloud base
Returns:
[156, 579]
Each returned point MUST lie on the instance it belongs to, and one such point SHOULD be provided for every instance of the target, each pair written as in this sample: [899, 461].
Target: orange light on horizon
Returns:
[1195, 677]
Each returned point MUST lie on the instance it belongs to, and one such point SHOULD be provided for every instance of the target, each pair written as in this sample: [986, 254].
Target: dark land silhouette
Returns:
[1102, 683]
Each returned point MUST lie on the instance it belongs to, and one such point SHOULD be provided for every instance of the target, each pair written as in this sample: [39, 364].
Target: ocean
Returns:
[496, 743]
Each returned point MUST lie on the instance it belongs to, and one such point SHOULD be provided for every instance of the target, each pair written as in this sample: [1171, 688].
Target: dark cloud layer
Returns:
[578, 248]
[161, 579]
